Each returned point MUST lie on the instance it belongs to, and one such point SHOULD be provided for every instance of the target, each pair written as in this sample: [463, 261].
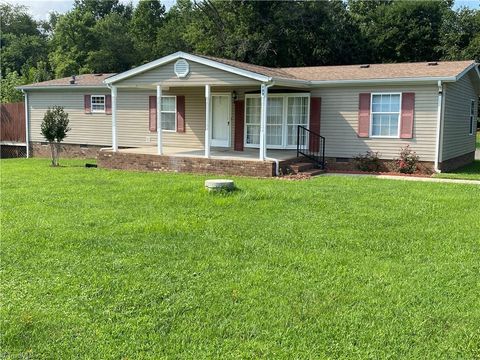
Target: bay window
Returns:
[284, 113]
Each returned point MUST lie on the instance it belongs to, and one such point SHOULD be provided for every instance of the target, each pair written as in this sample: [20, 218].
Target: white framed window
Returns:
[284, 113]
[472, 124]
[297, 114]
[385, 115]
[97, 103]
[168, 109]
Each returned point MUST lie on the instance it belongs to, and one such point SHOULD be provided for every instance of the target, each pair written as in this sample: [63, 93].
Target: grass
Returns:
[105, 264]
[478, 139]
[469, 172]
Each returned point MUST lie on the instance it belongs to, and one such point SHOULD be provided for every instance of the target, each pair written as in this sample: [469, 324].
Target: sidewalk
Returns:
[409, 178]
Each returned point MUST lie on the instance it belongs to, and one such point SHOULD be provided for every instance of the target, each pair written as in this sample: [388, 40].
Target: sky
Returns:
[40, 8]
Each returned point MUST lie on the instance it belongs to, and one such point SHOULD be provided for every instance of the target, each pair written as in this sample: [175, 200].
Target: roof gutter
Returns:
[383, 81]
[60, 87]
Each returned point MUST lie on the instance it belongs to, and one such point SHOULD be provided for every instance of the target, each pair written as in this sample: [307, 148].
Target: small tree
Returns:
[54, 130]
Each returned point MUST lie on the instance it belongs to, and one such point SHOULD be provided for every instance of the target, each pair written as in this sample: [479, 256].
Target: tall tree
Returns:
[101, 8]
[401, 30]
[114, 51]
[460, 35]
[276, 33]
[21, 43]
[172, 36]
[73, 39]
[146, 22]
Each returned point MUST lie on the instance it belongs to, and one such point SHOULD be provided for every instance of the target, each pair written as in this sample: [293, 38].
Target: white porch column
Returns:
[263, 121]
[114, 118]
[208, 116]
[159, 120]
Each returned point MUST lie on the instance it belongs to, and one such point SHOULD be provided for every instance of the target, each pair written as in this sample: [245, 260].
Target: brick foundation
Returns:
[68, 150]
[457, 162]
[348, 164]
[148, 162]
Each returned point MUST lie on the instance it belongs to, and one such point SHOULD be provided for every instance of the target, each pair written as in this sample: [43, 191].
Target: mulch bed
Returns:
[358, 172]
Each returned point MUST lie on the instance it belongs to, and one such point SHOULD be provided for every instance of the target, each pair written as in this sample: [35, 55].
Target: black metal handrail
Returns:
[311, 145]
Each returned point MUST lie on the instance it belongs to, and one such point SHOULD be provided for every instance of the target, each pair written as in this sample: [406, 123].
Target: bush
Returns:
[54, 129]
[368, 162]
[408, 160]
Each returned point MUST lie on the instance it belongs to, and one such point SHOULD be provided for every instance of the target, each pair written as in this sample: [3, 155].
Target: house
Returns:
[225, 116]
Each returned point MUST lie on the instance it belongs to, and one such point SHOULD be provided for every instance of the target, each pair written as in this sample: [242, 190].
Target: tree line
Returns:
[100, 36]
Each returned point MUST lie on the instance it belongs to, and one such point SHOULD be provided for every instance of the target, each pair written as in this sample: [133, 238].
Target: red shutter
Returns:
[152, 113]
[364, 115]
[315, 109]
[239, 124]
[86, 104]
[406, 122]
[181, 113]
[108, 104]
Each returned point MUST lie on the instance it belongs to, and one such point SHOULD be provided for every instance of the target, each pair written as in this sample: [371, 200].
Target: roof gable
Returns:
[195, 58]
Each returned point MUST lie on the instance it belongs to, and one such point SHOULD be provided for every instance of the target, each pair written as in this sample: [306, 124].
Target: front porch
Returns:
[185, 113]
[221, 161]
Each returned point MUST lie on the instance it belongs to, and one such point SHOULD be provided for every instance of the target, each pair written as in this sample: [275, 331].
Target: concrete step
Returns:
[301, 166]
[313, 172]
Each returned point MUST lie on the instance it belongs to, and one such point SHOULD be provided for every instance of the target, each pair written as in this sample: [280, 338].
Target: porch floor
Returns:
[215, 153]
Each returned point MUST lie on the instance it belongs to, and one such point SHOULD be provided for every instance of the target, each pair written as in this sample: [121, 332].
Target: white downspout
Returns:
[439, 126]
[27, 124]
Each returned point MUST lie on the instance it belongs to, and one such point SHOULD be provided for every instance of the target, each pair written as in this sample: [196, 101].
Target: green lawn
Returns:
[105, 264]
[469, 172]
[478, 139]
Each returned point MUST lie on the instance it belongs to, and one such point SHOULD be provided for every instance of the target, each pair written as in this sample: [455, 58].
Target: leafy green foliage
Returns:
[467, 172]
[369, 161]
[130, 265]
[110, 36]
[8, 93]
[54, 129]
[146, 22]
[461, 35]
[407, 161]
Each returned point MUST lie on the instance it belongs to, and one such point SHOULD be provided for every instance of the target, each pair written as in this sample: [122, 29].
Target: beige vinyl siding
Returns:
[456, 129]
[339, 122]
[199, 75]
[133, 119]
[93, 129]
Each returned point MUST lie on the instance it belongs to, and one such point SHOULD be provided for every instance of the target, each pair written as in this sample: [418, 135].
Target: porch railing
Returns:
[311, 145]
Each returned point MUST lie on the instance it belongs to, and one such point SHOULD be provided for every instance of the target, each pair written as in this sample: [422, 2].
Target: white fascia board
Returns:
[467, 69]
[291, 82]
[62, 87]
[381, 81]
[186, 56]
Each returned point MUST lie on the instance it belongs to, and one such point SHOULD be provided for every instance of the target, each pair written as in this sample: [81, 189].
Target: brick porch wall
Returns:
[68, 150]
[456, 162]
[146, 162]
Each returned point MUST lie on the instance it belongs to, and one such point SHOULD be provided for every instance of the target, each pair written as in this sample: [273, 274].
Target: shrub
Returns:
[54, 129]
[407, 162]
[368, 162]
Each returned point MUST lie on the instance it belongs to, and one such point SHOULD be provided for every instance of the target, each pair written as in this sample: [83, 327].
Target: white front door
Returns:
[221, 108]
